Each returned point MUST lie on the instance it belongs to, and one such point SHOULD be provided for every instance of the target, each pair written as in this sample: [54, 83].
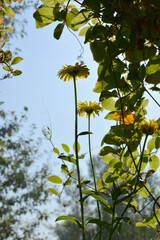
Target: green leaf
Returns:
[68, 159]
[98, 222]
[17, 73]
[93, 4]
[16, 60]
[84, 133]
[149, 173]
[78, 145]
[53, 191]
[55, 179]
[109, 104]
[98, 49]
[110, 115]
[58, 30]
[68, 182]
[8, 29]
[8, 11]
[83, 31]
[64, 168]
[80, 19]
[69, 17]
[157, 142]
[65, 148]
[55, 150]
[151, 144]
[99, 86]
[7, 68]
[144, 163]
[107, 158]
[106, 150]
[44, 16]
[70, 219]
[149, 221]
[107, 177]
[143, 192]
[100, 199]
[100, 183]
[52, 3]
[154, 162]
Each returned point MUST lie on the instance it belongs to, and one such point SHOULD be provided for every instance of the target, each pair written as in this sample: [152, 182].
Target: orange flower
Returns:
[129, 117]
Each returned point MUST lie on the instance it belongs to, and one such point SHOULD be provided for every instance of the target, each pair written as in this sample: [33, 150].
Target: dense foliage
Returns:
[124, 40]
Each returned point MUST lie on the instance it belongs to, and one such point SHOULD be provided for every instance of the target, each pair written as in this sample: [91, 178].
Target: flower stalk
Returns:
[77, 160]
[93, 172]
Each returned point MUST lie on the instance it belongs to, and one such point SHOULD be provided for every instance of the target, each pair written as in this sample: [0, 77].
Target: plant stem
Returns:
[112, 229]
[134, 190]
[93, 172]
[77, 160]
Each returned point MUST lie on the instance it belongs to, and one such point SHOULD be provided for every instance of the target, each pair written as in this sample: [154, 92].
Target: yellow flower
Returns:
[90, 108]
[149, 128]
[129, 117]
[69, 72]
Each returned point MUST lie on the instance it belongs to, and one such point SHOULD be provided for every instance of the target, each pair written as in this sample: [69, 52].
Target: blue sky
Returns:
[49, 99]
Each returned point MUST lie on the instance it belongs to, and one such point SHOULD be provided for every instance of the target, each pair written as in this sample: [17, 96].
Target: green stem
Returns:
[112, 229]
[77, 160]
[93, 172]
[134, 190]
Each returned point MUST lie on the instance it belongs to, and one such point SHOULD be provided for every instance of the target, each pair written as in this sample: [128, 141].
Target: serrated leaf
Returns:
[53, 191]
[65, 148]
[16, 60]
[55, 179]
[70, 219]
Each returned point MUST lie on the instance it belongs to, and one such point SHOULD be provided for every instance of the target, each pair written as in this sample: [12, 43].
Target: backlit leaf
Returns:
[154, 162]
[55, 179]
[16, 60]
[70, 219]
[66, 148]
[53, 191]
[8, 11]
[78, 146]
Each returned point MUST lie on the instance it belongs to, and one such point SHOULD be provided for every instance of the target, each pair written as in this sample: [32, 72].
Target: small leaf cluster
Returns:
[6, 58]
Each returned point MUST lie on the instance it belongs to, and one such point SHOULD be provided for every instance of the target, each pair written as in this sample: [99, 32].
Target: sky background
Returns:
[49, 99]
